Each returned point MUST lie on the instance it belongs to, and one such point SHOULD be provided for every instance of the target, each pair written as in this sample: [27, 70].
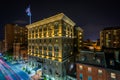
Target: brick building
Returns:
[93, 66]
[15, 36]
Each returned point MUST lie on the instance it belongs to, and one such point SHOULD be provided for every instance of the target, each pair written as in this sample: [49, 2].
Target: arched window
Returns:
[50, 48]
[56, 48]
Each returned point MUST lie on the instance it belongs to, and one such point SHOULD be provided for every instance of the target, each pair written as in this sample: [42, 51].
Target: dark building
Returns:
[112, 58]
[1, 33]
[94, 66]
[2, 46]
[110, 37]
[110, 44]
[78, 39]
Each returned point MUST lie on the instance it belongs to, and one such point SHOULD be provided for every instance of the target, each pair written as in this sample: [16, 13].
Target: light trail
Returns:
[10, 72]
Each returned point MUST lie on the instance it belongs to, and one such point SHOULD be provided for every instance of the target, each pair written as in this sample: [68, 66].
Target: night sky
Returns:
[92, 16]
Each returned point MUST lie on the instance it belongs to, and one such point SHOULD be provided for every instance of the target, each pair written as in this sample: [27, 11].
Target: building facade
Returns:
[109, 37]
[110, 43]
[94, 66]
[15, 35]
[50, 45]
[112, 74]
[89, 72]
[78, 39]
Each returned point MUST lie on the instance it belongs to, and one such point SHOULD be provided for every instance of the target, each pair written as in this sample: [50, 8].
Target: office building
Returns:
[109, 37]
[110, 44]
[15, 35]
[2, 45]
[50, 45]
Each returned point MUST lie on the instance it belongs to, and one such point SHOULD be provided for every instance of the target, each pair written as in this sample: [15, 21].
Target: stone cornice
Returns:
[60, 16]
[79, 28]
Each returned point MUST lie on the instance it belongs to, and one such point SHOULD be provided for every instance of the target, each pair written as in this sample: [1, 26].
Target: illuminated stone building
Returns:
[15, 35]
[50, 45]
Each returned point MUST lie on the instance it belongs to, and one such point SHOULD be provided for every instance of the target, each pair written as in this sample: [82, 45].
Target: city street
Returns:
[10, 72]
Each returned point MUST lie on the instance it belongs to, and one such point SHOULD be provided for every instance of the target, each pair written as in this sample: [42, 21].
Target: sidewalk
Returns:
[34, 74]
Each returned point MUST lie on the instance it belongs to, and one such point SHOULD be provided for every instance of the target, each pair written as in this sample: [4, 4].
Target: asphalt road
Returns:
[10, 72]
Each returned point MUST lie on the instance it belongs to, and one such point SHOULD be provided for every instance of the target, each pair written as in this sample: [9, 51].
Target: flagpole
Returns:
[30, 20]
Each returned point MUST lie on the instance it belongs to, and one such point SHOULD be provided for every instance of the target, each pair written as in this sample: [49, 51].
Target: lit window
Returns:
[71, 66]
[80, 33]
[81, 76]
[89, 69]
[98, 60]
[56, 64]
[80, 67]
[99, 71]
[113, 75]
[56, 40]
[112, 62]
[115, 32]
[89, 77]
[108, 32]
[71, 53]
[83, 58]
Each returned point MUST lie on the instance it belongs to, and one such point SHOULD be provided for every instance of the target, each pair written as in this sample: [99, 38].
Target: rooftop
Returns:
[92, 58]
[98, 59]
[111, 28]
[56, 17]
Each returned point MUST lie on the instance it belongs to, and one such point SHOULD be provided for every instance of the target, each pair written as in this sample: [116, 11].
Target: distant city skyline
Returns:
[91, 16]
